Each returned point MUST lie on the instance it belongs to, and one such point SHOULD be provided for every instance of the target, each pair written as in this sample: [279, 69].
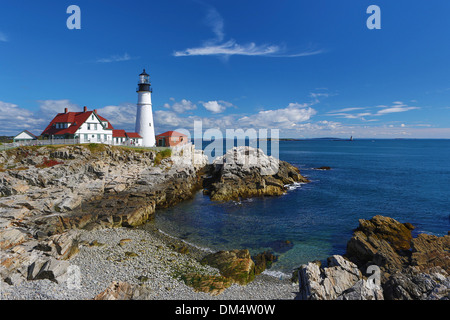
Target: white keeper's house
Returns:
[88, 127]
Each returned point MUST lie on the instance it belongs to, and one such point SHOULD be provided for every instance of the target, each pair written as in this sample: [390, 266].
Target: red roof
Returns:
[119, 134]
[171, 134]
[133, 135]
[76, 119]
[103, 119]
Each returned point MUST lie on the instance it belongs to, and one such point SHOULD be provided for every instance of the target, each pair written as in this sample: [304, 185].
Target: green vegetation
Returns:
[5, 139]
[162, 155]
[96, 147]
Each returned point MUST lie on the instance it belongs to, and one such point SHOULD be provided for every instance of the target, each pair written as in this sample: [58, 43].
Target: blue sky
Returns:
[307, 68]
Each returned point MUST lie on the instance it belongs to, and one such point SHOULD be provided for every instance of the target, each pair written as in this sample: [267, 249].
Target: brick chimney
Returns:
[66, 110]
[95, 110]
[85, 109]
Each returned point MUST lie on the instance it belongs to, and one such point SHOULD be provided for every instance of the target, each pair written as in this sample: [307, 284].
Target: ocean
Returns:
[408, 180]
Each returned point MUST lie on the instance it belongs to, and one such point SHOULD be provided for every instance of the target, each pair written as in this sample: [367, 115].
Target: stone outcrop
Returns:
[340, 280]
[381, 241]
[413, 284]
[107, 186]
[409, 268]
[430, 251]
[236, 265]
[36, 260]
[48, 192]
[245, 172]
[263, 261]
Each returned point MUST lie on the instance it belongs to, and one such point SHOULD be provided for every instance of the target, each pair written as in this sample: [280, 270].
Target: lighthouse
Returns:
[144, 115]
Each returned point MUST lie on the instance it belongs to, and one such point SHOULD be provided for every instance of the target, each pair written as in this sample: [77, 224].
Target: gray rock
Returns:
[363, 290]
[48, 268]
[318, 283]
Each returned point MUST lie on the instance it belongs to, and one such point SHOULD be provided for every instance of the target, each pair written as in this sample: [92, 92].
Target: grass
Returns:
[96, 147]
[162, 155]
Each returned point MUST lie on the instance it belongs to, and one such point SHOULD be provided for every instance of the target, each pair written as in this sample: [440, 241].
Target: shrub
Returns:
[162, 155]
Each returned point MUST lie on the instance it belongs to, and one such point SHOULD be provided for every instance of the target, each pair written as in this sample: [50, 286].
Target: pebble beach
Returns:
[145, 258]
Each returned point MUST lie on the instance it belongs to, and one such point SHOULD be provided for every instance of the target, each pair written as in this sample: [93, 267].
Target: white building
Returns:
[88, 127]
[25, 136]
[144, 116]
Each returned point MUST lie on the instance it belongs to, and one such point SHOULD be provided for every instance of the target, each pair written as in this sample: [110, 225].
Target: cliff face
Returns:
[54, 189]
[46, 193]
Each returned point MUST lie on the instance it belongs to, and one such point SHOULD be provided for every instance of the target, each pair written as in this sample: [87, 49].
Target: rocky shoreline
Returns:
[69, 229]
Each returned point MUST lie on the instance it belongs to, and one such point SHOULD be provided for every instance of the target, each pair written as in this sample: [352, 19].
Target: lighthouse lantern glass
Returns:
[144, 79]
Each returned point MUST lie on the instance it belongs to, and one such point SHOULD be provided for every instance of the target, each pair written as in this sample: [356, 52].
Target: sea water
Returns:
[408, 180]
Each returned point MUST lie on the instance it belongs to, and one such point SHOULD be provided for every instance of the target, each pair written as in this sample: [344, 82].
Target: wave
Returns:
[294, 186]
[277, 274]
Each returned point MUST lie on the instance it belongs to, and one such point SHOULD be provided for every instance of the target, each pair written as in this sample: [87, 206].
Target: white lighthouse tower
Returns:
[144, 116]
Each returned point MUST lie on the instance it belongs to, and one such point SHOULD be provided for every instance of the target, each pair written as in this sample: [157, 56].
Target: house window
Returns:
[149, 124]
[95, 126]
[92, 117]
[89, 126]
[98, 137]
[86, 137]
[106, 137]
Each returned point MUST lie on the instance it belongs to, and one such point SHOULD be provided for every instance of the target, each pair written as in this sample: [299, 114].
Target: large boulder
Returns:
[48, 268]
[413, 284]
[382, 241]
[236, 265]
[245, 172]
[363, 290]
[317, 283]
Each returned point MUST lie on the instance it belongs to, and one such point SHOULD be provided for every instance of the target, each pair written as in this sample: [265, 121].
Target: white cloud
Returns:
[14, 119]
[3, 37]
[345, 110]
[284, 118]
[217, 46]
[347, 113]
[116, 58]
[215, 21]
[182, 106]
[122, 116]
[351, 116]
[231, 48]
[396, 109]
[217, 106]
[52, 107]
